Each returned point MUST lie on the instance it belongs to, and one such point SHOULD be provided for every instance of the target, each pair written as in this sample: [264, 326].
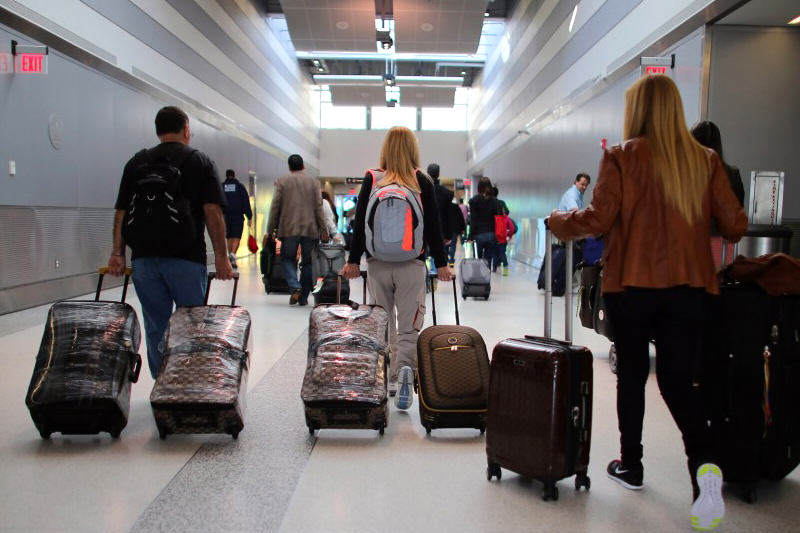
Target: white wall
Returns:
[346, 153]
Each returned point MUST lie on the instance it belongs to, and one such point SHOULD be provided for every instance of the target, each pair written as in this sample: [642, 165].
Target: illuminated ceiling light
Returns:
[795, 20]
[321, 69]
[572, 20]
[389, 80]
[342, 25]
[463, 72]
[486, 14]
[426, 26]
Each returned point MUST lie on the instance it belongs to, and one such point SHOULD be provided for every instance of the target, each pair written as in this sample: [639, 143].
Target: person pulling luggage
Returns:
[655, 197]
[396, 221]
[167, 197]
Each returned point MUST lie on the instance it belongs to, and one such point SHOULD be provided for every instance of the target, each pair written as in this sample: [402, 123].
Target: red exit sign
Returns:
[31, 63]
[655, 70]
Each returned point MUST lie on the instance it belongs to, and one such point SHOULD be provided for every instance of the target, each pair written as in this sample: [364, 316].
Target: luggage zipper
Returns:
[452, 348]
[767, 355]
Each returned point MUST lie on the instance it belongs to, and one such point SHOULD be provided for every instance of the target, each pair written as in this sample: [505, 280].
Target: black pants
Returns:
[674, 318]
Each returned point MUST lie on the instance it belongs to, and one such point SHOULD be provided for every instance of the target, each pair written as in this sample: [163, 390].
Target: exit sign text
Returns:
[655, 70]
[31, 63]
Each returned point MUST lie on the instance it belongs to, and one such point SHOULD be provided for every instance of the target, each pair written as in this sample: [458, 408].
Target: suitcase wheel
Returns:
[45, 434]
[116, 433]
[482, 429]
[162, 435]
[582, 480]
[493, 470]
[235, 435]
[428, 429]
[550, 492]
[382, 429]
[311, 430]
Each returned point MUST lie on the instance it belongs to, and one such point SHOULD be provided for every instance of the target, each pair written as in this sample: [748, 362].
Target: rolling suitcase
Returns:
[540, 404]
[452, 375]
[87, 360]
[202, 383]
[345, 383]
[272, 269]
[328, 259]
[750, 381]
[476, 278]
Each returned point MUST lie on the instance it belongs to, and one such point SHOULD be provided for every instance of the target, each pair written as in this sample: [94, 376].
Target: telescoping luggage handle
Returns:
[433, 299]
[136, 359]
[548, 289]
[103, 271]
[213, 275]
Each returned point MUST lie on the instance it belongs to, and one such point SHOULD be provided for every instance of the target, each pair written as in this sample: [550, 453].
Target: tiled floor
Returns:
[275, 476]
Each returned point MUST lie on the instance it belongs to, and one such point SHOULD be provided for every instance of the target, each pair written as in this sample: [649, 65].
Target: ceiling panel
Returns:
[764, 13]
[427, 96]
[438, 26]
[358, 95]
[342, 25]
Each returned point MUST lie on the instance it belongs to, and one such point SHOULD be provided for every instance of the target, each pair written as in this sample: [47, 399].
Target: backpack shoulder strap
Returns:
[374, 173]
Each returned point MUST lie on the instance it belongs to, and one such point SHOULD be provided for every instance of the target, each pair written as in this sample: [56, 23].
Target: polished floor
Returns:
[276, 477]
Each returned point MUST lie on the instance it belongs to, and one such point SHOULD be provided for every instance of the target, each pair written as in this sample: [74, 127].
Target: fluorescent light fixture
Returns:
[403, 56]
[795, 20]
[442, 79]
[485, 13]
[572, 20]
[347, 77]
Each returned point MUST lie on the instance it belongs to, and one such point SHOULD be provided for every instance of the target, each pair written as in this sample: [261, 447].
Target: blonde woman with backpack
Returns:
[655, 198]
[397, 225]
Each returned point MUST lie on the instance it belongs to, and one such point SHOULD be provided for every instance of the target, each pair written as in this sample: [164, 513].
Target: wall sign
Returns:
[28, 59]
[657, 65]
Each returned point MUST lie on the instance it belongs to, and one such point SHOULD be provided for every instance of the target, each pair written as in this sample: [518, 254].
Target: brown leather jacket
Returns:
[648, 243]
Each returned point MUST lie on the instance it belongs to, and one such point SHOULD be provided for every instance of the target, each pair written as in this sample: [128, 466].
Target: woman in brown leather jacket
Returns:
[654, 200]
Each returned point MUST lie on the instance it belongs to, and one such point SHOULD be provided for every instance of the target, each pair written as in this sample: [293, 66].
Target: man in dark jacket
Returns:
[238, 207]
[482, 208]
[444, 197]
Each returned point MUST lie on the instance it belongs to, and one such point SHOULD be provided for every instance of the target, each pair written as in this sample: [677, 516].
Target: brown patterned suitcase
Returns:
[345, 384]
[452, 375]
[540, 404]
[202, 383]
[87, 361]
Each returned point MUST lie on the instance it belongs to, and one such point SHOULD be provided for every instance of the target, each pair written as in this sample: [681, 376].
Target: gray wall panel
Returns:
[753, 98]
[135, 21]
[60, 204]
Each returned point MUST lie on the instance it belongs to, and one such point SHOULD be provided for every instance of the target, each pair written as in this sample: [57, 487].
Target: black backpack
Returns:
[159, 219]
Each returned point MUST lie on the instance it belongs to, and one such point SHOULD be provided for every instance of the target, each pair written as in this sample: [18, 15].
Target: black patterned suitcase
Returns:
[345, 384]
[202, 384]
[87, 360]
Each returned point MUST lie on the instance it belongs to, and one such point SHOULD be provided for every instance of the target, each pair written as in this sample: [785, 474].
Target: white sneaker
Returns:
[405, 388]
[709, 508]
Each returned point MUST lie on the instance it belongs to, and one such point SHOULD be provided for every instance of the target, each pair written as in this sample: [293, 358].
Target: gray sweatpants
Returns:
[400, 289]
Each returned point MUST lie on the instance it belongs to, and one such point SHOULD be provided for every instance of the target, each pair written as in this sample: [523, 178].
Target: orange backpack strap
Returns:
[372, 172]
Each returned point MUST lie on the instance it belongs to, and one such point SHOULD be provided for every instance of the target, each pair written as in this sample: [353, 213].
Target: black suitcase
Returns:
[202, 383]
[750, 378]
[87, 360]
[272, 269]
[559, 273]
[452, 375]
[540, 406]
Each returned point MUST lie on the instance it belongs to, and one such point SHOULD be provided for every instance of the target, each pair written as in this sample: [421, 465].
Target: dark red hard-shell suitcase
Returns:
[452, 375]
[87, 361]
[540, 405]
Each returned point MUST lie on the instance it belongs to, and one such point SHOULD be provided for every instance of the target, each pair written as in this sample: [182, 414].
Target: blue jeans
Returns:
[289, 247]
[161, 283]
[486, 247]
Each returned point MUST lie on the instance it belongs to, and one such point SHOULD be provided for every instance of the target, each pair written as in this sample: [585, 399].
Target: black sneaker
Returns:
[303, 301]
[628, 478]
[295, 297]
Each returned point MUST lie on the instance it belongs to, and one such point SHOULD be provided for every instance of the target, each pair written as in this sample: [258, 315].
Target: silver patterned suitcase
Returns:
[202, 383]
[345, 384]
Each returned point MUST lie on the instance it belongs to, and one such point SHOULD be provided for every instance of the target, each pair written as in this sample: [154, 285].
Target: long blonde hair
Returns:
[400, 158]
[654, 110]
